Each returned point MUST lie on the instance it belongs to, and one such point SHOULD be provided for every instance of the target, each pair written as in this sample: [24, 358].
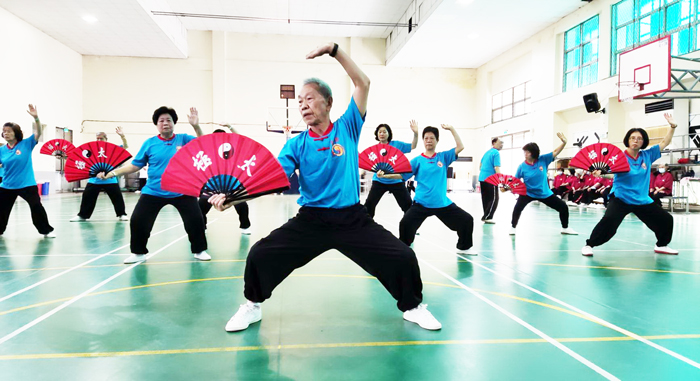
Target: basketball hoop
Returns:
[629, 90]
[287, 131]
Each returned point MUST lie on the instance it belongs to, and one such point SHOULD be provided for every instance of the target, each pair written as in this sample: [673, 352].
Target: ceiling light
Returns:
[90, 19]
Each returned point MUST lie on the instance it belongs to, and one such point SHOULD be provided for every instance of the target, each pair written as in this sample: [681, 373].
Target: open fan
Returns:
[604, 157]
[232, 164]
[509, 182]
[89, 159]
[57, 147]
[383, 157]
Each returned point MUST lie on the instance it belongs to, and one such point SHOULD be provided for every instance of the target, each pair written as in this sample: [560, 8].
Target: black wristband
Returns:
[335, 50]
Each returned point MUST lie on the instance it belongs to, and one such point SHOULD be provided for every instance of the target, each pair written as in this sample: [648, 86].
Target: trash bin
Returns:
[45, 189]
[39, 186]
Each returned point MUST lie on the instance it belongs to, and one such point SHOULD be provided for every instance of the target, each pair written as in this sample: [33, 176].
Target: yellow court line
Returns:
[44, 356]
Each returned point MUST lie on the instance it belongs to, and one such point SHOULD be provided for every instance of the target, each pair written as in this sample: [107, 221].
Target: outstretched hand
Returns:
[193, 117]
[321, 50]
[32, 111]
[218, 200]
[561, 137]
[414, 126]
[447, 126]
[119, 131]
[670, 120]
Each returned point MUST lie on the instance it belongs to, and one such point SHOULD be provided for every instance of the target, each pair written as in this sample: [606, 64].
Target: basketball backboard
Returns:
[284, 120]
[645, 70]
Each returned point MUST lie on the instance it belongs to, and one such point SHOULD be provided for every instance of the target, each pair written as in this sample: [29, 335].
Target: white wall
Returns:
[37, 69]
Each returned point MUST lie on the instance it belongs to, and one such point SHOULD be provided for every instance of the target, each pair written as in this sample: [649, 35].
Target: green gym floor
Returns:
[528, 307]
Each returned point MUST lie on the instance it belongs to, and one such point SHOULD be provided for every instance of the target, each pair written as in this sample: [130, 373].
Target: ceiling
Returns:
[459, 33]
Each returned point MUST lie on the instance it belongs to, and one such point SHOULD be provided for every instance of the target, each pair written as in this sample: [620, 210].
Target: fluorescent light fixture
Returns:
[90, 19]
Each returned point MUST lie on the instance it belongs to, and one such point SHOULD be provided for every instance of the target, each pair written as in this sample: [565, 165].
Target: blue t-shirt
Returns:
[633, 187]
[328, 165]
[95, 180]
[431, 175]
[157, 152]
[17, 161]
[403, 147]
[535, 176]
[491, 159]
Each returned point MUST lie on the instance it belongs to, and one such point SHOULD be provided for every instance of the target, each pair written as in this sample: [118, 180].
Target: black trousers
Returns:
[587, 196]
[242, 210]
[606, 196]
[146, 211]
[31, 196]
[454, 217]
[655, 218]
[552, 201]
[399, 190]
[92, 191]
[657, 197]
[489, 199]
[560, 190]
[352, 232]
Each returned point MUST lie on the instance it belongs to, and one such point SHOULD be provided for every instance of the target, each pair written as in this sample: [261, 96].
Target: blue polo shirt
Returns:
[491, 159]
[156, 152]
[328, 165]
[401, 146]
[633, 187]
[535, 176]
[17, 161]
[95, 180]
[431, 176]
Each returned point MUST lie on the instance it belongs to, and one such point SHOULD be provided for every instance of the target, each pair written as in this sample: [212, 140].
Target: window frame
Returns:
[509, 105]
[580, 66]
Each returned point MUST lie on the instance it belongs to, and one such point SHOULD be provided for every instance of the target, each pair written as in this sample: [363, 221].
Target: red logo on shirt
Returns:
[541, 169]
[18, 152]
[338, 150]
[644, 166]
[440, 164]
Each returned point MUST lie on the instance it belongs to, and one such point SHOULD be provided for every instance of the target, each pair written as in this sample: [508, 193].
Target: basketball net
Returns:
[287, 132]
[628, 90]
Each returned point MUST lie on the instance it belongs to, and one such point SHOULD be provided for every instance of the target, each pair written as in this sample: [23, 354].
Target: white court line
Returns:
[569, 306]
[51, 255]
[635, 243]
[534, 330]
[12, 295]
[90, 290]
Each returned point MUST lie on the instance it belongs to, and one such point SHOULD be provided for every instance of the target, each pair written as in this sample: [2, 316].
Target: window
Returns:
[636, 22]
[511, 153]
[511, 103]
[581, 55]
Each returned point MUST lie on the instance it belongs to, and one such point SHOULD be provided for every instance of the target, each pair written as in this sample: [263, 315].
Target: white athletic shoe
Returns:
[489, 221]
[203, 256]
[569, 231]
[570, 203]
[512, 231]
[421, 316]
[587, 251]
[665, 250]
[78, 219]
[470, 251]
[246, 231]
[135, 258]
[247, 314]
[123, 218]
[50, 235]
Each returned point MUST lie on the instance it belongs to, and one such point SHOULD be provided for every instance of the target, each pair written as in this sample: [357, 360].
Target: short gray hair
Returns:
[101, 133]
[323, 87]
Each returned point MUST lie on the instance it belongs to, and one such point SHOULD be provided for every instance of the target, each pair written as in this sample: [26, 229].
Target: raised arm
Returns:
[414, 128]
[193, 117]
[669, 135]
[121, 135]
[558, 150]
[459, 147]
[359, 78]
[37, 124]
[230, 128]
[125, 170]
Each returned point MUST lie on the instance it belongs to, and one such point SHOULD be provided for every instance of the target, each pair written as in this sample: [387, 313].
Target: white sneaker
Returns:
[246, 231]
[203, 256]
[78, 219]
[247, 314]
[50, 235]
[123, 218]
[489, 221]
[512, 231]
[569, 231]
[421, 316]
[587, 251]
[665, 250]
[135, 258]
[469, 251]
[570, 203]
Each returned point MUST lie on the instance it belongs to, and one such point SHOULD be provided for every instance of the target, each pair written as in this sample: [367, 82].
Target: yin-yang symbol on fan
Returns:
[383, 152]
[86, 153]
[226, 151]
[604, 151]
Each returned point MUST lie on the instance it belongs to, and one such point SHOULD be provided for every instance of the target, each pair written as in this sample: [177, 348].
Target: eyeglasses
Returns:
[636, 138]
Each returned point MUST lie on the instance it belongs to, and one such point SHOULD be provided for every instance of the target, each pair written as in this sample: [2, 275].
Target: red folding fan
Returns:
[604, 157]
[89, 159]
[384, 157]
[57, 147]
[232, 164]
[509, 182]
